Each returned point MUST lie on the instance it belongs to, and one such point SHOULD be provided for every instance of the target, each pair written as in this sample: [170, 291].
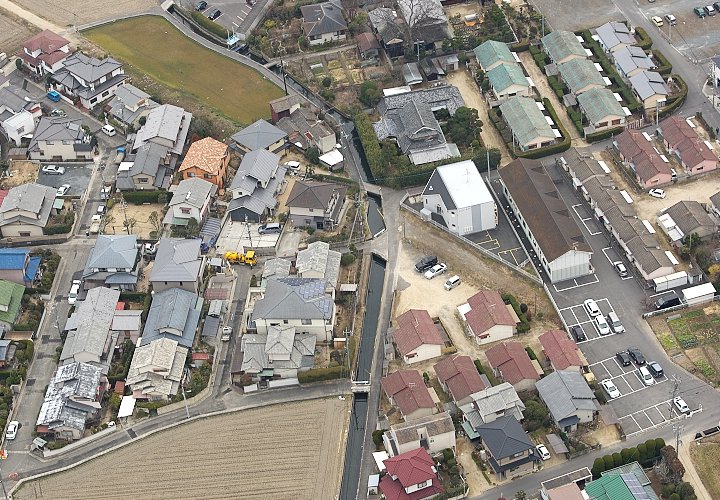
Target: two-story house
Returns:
[26, 209]
[281, 353]
[305, 129]
[89, 80]
[410, 475]
[157, 369]
[18, 112]
[178, 264]
[17, 266]
[255, 186]
[315, 204]
[113, 262]
[490, 404]
[569, 398]
[174, 314]
[191, 199]
[130, 105]
[61, 139]
[434, 433]
[318, 261]
[324, 22]
[45, 53]
[509, 448]
[260, 135]
[207, 159]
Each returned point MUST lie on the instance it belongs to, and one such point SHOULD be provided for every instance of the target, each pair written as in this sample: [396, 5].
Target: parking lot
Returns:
[580, 14]
[697, 38]
[236, 236]
[577, 316]
[626, 378]
[649, 418]
[76, 174]
[237, 16]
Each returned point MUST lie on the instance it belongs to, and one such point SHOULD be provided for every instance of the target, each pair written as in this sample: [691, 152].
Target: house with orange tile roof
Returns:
[510, 362]
[206, 159]
[487, 318]
[406, 389]
[459, 378]
[416, 336]
[561, 351]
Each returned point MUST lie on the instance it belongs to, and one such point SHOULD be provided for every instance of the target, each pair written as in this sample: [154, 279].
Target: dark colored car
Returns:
[655, 369]
[577, 333]
[200, 6]
[636, 355]
[425, 263]
[623, 358]
[214, 14]
[668, 300]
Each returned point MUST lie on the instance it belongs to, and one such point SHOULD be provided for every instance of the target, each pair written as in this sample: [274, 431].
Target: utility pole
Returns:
[677, 429]
[487, 154]
[676, 386]
[282, 71]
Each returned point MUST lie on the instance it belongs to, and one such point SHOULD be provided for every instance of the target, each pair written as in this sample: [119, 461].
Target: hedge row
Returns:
[665, 67]
[521, 46]
[524, 325]
[209, 25]
[678, 100]
[333, 178]
[644, 42]
[140, 197]
[370, 144]
[58, 229]
[605, 134]
[704, 123]
[320, 374]
[644, 453]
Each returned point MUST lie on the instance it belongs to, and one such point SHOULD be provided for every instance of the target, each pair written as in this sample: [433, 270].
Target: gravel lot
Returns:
[76, 12]
[285, 451]
[577, 14]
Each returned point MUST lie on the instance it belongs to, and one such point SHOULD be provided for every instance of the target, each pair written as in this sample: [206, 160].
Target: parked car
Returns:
[226, 333]
[710, 10]
[435, 270]
[646, 376]
[543, 452]
[657, 21]
[577, 332]
[699, 11]
[214, 14]
[637, 355]
[620, 268]
[62, 190]
[108, 130]
[293, 166]
[12, 429]
[200, 6]
[53, 169]
[602, 325]
[425, 263]
[54, 96]
[58, 113]
[610, 388]
[717, 6]
[74, 291]
[655, 369]
[101, 210]
[671, 19]
[270, 228]
[615, 324]
[657, 193]
[669, 299]
[591, 308]
[452, 282]
[623, 358]
[681, 405]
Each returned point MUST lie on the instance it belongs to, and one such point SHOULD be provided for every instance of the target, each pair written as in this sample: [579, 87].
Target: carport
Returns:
[557, 444]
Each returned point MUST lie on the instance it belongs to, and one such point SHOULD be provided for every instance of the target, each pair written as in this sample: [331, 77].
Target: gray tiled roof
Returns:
[276, 267]
[112, 251]
[167, 123]
[499, 399]
[504, 437]
[258, 165]
[157, 367]
[33, 198]
[566, 392]
[89, 68]
[413, 126]
[444, 96]
[630, 58]
[269, 351]
[58, 129]
[649, 83]
[613, 34]
[322, 18]
[91, 324]
[318, 257]
[261, 199]
[15, 98]
[177, 260]
[294, 298]
[172, 311]
[690, 216]
[193, 192]
[71, 386]
[259, 135]
[435, 425]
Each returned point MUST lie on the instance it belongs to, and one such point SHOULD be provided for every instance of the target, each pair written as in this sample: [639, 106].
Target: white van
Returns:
[452, 282]
[74, 292]
[109, 130]
[645, 375]
[615, 324]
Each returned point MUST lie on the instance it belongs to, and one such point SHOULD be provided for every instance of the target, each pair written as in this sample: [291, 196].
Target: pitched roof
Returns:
[690, 216]
[13, 258]
[33, 198]
[579, 73]
[434, 425]
[564, 393]
[70, 396]
[491, 52]
[631, 58]
[322, 18]
[256, 166]
[715, 199]
[613, 34]
[503, 76]
[193, 192]
[560, 350]
[542, 207]
[487, 309]
[412, 467]
[460, 376]
[173, 315]
[57, 129]
[11, 295]
[90, 69]
[407, 390]
[259, 135]
[497, 399]
[641, 154]
[599, 103]
[284, 103]
[207, 154]
[415, 328]
[681, 137]
[367, 41]
[111, 251]
[313, 194]
[47, 41]
[561, 44]
[512, 361]
[281, 349]
[649, 83]
[504, 437]
[91, 323]
[526, 120]
[318, 258]
[177, 260]
[442, 96]
[157, 367]
[294, 298]
[166, 123]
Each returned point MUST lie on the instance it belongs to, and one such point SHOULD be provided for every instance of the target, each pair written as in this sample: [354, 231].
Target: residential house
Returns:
[438, 97]
[318, 261]
[174, 314]
[61, 139]
[416, 336]
[281, 353]
[561, 351]
[113, 262]
[11, 295]
[569, 491]
[508, 80]
[563, 46]
[569, 399]
[457, 197]
[324, 22]
[90, 338]
[428, 23]
[632, 60]
[510, 362]
[650, 88]
[387, 26]
[487, 318]
[490, 404]
[157, 370]
[167, 126]
[601, 109]
[87, 79]
[45, 53]
[284, 106]
[149, 167]
[72, 399]
[260, 135]
[411, 74]
[127, 324]
[304, 130]
[130, 104]
[207, 159]
[368, 46]
[410, 476]
[407, 391]
[459, 378]
[7, 352]
[614, 36]
[191, 199]
[713, 207]
[509, 448]
[545, 220]
[178, 264]
[432, 69]
[434, 433]
[316, 204]
[530, 129]
[276, 267]
[628, 481]
[303, 303]
[581, 75]
[255, 186]
[690, 217]
[491, 54]
[636, 150]
[18, 111]
[26, 209]
[17, 266]
[679, 138]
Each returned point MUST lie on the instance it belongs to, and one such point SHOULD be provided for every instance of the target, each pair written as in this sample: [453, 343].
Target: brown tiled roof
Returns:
[47, 41]
[415, 328]
[513, 362]
[206, 154]
[412, 467]
[543, 209]
[648, 165]
[460, 375]
[560, 350]
[631, 143]
[367, 41]
[487, 310]
[408, 391]
[681, 137]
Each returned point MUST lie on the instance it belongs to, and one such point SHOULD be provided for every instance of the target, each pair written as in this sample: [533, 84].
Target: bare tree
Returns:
[155, 222]
[417, 14]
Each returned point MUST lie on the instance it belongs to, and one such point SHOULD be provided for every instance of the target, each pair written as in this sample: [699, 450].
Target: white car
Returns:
[62, 190]
[74, 291]
[108, 130]
[452, 282]
[435, 270]
[53, 170]
[591, 308]
[610, 388]
[657, 193]
[645, 375]
[226, 333]
[12, 429]
[671, 19]
[621, 269]
[681, 405]
[543, 452]
[101, 210]
[602, 325]
[657, 21]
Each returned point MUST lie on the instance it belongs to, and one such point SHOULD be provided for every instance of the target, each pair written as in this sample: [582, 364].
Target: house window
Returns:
[142, 180]
[422, 485]
[285, 322]
[185, 210]
[207, 176]
[310, 210]
[190, 174]
[21, 130]
[93, 100]
[306, 322]
[516, 455]
[24, 233]
[438, 209]
[49, 143]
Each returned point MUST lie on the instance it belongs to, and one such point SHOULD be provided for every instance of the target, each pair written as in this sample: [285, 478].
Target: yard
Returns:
[150, 45]
[77, 13]
[705, 457]
[211, 457]
[138, 216]
[20, 172]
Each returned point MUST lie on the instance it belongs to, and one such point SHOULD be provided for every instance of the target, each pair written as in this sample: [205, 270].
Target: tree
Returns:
[303, 42]
[130, 224]
[162, 198]
[114, 402]
[520, 495]
[155, 222]
[642, 452]
[142, 120]
[481, 159]
[674, 496]
[535, 410]
[312, 154]
[617, 459]
[377, 437]
[685, 491]
[609, 462]
[598, 467]
[358, 23]
[370, 93]
[714, 273]
[463, 128]
[193, 228]
[18, 63]
[625, 455]
[651, 450]
[326, 82]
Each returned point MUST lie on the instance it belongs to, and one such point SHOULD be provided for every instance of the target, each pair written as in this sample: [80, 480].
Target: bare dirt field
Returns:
[276, 452]
[13, 32]
[140, 213]
[77, 13]
[20, 172]
[574, 15]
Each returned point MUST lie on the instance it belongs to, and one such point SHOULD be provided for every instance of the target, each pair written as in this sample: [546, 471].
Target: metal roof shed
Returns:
[699, 294]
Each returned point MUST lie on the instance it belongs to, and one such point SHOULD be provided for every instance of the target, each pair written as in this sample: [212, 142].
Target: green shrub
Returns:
[58, 229]
[609, 462]
[521, 46]
[598, 467]
[320, 374]
[209, 25]
[617, 459]
[677, 100]
[605, 134]
[664, 65]
[644, 40]
[140, 197]
[479, 366]
[531, 353]
[347, 259]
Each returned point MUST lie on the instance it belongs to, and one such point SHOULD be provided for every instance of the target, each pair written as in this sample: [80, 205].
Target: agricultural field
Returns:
[13, 32]
[151, 46]
[76, 13]
[283, 451]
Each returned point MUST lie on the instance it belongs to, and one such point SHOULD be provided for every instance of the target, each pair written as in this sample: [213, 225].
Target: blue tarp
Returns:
[32, 268]
[13, 258]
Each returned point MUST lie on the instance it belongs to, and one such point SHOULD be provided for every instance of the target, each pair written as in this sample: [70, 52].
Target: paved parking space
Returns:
[612, 256]
[238, 16]
[236, 236]
[76, 174]
[696, 38]
[626, 378]
[587, 220]
[649, 418]
[577, 316]
[564, 286]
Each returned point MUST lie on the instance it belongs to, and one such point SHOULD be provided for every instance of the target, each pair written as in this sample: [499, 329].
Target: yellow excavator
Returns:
[241, 258]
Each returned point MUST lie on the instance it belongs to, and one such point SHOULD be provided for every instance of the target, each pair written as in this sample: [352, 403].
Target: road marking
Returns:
[674, 416]
[583, 219]
[577, 285]
[235, 24]
[512, 254]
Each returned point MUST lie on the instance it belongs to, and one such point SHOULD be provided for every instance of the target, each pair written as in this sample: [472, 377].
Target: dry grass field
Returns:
[13, 32]
[275, 452]
[76, 12]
